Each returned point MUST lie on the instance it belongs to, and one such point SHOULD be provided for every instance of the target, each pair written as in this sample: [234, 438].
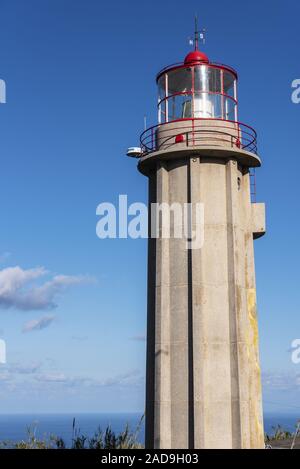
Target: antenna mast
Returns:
[198, 35]
[196, 39]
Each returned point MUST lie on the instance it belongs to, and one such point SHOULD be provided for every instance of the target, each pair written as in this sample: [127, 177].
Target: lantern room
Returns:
[197, 89]
[197, 108]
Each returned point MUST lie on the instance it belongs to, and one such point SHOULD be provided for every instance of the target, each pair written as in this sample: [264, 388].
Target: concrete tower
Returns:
[203, 377]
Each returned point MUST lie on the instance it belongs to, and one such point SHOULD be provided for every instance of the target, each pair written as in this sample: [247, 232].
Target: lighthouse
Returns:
[203, 384]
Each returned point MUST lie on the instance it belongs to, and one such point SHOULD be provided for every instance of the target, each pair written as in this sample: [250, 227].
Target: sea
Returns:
[14, 427]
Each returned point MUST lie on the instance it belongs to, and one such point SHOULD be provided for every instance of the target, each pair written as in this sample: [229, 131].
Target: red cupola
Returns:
[196, 56]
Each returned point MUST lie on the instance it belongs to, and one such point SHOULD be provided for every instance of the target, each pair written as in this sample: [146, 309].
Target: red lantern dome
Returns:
[196, 56]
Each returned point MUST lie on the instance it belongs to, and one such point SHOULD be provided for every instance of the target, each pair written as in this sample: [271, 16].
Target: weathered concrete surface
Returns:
[203, 378]
[258, 220]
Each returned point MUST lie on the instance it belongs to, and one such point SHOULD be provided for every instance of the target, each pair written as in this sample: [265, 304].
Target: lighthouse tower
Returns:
[203, 387]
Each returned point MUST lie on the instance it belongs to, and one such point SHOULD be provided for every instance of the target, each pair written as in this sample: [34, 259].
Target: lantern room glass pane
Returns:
[208, 106]
[162, 87]
[162, 111]
[207, 79]
[216, 100]
[229, 110]
[180, 107]
[201, 78]
[179, 81]
[229, 80]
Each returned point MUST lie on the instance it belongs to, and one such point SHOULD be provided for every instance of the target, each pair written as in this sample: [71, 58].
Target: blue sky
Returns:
[80, 77]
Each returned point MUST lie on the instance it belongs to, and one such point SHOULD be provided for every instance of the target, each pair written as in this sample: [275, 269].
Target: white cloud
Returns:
[38, 324]
[4, 375]
[53, 377]
[20, 289]
[35, 380]
[127, 379]
[13, 371]
[281, 381]
[21, 369]
[59, 378]
[131, 378]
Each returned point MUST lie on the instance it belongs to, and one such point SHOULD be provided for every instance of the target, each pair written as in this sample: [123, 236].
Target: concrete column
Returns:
[203, 379]
[179, 304]
[162, 418]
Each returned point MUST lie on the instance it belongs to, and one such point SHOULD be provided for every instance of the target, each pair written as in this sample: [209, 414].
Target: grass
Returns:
[106, 439]
[279, 433]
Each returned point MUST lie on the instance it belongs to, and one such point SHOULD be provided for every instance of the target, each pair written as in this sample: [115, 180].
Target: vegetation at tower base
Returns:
[109, 440]
[279, 434]
[106, 439]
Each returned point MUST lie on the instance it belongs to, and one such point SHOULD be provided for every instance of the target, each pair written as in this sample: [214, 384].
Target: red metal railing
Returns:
[197, 132]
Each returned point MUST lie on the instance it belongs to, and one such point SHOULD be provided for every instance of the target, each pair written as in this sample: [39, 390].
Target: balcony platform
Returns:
[243, 157]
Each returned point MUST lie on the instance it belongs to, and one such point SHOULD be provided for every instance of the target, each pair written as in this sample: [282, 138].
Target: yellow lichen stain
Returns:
[257, 435]
[253, 332]
[251, 301]
[259, 430]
